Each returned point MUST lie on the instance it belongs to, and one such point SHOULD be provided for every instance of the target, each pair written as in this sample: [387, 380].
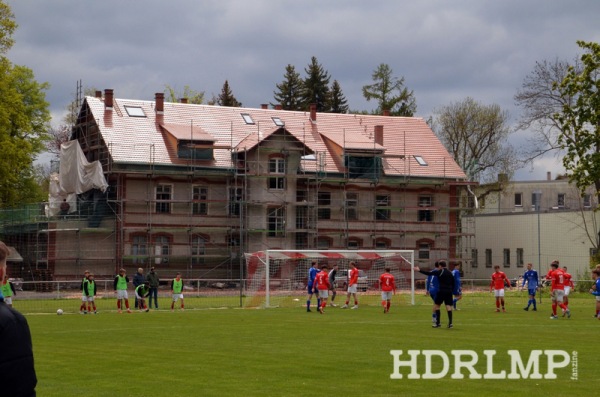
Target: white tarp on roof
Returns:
[76, 174]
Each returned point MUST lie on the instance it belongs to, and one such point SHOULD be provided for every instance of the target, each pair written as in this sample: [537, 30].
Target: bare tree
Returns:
[58, 136]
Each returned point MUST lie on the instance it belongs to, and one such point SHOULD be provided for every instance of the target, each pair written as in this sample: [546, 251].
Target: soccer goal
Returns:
[276, 278]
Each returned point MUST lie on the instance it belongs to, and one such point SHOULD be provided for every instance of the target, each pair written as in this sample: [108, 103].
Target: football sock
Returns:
[308, 304]
[437, 316]
[449, 316]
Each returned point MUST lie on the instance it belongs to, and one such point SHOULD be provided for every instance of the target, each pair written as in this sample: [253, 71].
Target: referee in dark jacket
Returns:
[446, 291]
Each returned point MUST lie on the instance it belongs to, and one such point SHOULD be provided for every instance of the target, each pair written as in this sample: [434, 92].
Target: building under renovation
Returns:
[190, 188]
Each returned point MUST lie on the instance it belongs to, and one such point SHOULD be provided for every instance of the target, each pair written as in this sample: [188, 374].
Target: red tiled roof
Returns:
[140, 140]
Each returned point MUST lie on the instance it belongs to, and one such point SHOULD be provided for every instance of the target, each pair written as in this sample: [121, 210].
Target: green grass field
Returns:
[289, 352]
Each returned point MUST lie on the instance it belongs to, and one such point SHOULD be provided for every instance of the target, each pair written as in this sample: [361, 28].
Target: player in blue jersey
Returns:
[531, 278]
[312, 288]
[595, 290]
[457, 286]
[432, 286]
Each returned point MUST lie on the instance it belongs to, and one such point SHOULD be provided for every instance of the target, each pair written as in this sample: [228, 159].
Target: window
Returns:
[323, 243]
[162, 250]
[424, 249]
[560, 200]
[163, 199]
[135, 111]
[422, 214]
[587, 201]
[420, 160]
[301, 196]
[518, 199]
[382, 210]
[351, 206]
[302, 217]
[199, 197]
[488, 257]
[301, 241]
[235, 199]
[247, 118]
[474, 257]
[353, 243]
[139, 249]
[520, 259]
[276, 222]
[277, 167]
[195, 150]
[382, 243]
[278, 122]
[506, 257]
[536, 200]
[363, 166]
[323, 203]
[198, 249]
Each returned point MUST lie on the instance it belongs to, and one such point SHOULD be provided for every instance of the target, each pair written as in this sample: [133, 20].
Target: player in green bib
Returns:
[120, 285]
[89, 290]
[8, 290]
[83, 307]
[177, 290]
[141, 293]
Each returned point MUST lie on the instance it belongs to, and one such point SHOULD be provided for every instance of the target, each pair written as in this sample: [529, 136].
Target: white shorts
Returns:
[386, 295]
[323, 293]
[598, 298]
[499, 293]
[83, 298]
[558, 295]
[89, 299]
[176, 297]
[567, 291]
[138, 297]
[122, 294]
[8, 300]
[353, 289]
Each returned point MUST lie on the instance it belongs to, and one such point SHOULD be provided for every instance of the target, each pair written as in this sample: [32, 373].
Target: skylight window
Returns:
[247, 118]
[420, 160]
[278, 122]
[135, 111]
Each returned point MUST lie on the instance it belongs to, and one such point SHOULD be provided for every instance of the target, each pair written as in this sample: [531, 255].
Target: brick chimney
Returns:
[313, 112]
[108, 99]
[548, 176]
[386, 112]
[98, 94]
[379, 135]
[278, 107]
[183, 100]
[264, 106]
[159, 99]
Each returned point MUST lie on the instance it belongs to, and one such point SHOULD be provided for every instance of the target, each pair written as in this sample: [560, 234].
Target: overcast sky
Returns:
[446, 50]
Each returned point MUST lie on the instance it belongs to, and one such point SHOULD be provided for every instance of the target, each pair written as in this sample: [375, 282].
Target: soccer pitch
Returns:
[289, 352]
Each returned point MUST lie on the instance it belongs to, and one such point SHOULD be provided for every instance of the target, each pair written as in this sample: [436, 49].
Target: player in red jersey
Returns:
[568, 285]
[557, 289]
[322, 283]
[352, 285]
[497, 284]
[387, 284]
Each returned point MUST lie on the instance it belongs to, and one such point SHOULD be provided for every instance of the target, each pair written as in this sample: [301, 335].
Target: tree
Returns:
[315, 87]
[339, 104]
[24, 118]
[193, 96]
[226, 98]
[390, 93]
[476, 136]
[579, 120]
[542, 99]
[289, 90]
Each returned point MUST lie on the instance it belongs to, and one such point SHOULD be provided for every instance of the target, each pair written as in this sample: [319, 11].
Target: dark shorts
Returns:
[443, 297]
[531, 291]
[311, 289]
[433, 293]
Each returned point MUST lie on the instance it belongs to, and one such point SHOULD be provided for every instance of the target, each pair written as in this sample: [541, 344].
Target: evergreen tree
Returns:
[339, 104]
[289, 90]
[316, 87]
[390, 93]
[226, 98]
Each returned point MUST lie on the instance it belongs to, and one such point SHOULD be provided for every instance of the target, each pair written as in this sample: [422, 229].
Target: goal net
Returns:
[278, 278]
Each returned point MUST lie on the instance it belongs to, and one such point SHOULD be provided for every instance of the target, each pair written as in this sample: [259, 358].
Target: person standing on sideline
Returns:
[322, 286]
[557, 290]
[432, 286]
[16, 352]
[595, 290]
[444, 295]
[352, 285]
[387, 285]
[8, 290]
[177, 291]
[120, 285]
[154, 281]
[333, 284]
[457, 285]
[568, 285]
[89, 289]
[312, 273]
[497, 284]
[531, 278]
[141, 292]
[83, 306]
[138, 279]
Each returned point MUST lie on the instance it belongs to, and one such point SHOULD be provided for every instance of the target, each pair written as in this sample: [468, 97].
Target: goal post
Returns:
[276, 278]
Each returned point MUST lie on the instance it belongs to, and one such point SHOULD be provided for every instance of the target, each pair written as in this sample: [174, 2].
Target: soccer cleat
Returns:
[497, 310]
[308, 310]
[345, 307]
[568, 313]
[332, 304]
[147, 310]
[534, 309]
[450, 326]
[553, 317]
[503, 310]
[436, 326]
[95, 312]
[355, 307]
[119, 311]
[526, 308]
[128, 311]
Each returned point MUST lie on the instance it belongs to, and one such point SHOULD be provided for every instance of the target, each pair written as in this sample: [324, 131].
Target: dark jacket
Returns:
[17, 373]
[445, 276]
[138, 279]
[153, 279]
